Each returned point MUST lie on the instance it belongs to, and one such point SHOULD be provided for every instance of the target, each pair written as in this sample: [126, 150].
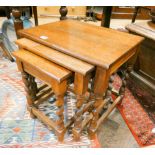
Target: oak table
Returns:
[106, 49]
[81, 73]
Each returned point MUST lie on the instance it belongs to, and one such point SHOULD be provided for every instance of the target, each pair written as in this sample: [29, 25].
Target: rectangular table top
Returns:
[96, 45]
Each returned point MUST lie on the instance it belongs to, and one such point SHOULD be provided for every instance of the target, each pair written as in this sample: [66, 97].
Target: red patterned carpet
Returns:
[136, 117]
[137, 120]
[17, 129]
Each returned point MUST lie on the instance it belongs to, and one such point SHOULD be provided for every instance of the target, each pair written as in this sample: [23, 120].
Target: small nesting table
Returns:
[105, 49]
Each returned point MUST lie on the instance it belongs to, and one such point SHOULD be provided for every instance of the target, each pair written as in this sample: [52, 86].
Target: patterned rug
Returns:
[136, 117]
[138, 120]
[17, 129]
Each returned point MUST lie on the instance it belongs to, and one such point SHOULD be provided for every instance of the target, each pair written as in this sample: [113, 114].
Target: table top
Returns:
[146, 29]
[96, 45]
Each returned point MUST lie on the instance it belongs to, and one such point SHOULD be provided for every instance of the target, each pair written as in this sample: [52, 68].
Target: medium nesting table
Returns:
[103, 50]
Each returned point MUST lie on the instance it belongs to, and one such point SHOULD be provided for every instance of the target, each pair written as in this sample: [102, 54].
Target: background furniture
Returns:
[106, 15]
[140, 10]
[144, 69]
[54, 11]
[105, 20]
[127, 12]
[121, 12]
[117, 12]
[26, 11]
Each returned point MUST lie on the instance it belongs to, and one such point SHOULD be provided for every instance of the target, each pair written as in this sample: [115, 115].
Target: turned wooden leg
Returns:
[29, 83]
[125, 77]
[80, 88]
[30, 95]
[100, 86]
[109, 89]
[63, 12]
[18, 23]
[60, 90]
[108, 94]
[33, 86]
[128, 68]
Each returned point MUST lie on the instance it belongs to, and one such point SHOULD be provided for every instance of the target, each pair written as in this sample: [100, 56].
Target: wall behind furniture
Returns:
[54, 10]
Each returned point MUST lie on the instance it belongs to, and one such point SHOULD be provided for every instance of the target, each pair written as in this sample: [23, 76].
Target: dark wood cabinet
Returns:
[143, 77]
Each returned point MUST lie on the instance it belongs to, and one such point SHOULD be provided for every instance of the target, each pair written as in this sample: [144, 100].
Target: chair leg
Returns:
[135, 13]
[34, 8]
[107, 11]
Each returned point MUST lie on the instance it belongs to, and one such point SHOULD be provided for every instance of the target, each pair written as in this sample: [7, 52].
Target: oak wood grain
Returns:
[57, 57]
[65, 42]
[96, 45]
[39, 65]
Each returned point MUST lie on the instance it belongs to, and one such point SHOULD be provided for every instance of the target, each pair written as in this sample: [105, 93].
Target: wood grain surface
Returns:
[57, 57]
[96, 45]
[39, 65]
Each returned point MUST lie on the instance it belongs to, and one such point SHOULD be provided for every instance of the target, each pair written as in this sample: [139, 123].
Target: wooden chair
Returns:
[137, 9]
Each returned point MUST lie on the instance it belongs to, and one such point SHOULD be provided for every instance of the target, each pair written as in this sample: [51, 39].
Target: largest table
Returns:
[107, 49]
